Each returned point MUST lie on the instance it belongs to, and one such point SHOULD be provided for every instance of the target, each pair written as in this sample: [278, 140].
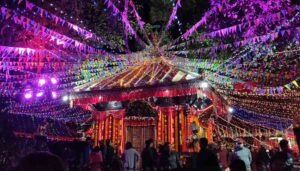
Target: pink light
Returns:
[54, 95]
[39, 94]
[28, 95]
[53, 81]
[42, 82]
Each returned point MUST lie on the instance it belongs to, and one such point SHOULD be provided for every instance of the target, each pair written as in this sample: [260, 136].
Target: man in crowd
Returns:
[242, 153]
[282, 160]
[207, 159]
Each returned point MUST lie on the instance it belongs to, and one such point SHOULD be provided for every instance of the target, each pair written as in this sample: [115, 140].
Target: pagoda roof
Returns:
[149, 74]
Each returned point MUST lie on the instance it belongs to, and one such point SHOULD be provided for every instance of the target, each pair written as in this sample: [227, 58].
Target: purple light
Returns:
[53, 81]
[28, 95]
[39, 94]
[54, 95]
[42, 82]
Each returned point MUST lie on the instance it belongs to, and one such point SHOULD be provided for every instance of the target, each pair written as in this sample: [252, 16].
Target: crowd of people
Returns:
[46, 155]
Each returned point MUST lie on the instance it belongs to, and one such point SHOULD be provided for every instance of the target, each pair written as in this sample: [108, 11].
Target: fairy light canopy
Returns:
[247, 52]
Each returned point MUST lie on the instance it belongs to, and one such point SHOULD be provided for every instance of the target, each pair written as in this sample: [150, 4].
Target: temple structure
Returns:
[152, 100]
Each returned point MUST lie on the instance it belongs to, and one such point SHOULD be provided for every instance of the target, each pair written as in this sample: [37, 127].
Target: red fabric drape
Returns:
[101, 115]
[123, 95]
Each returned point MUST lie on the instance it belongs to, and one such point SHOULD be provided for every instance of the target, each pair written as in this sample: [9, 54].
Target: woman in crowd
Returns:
[130, 158]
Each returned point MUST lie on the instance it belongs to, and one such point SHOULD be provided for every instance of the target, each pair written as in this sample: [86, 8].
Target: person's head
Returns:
[96, 149]
[101, 142]
[170, 146]
[167, 147]
[107, 142]
[38, 161]
[128, 145]
[284, 144]
[89, 140]
[149, 143]
[203, 143]
[237, 165]
[263, 147]
[239, 143]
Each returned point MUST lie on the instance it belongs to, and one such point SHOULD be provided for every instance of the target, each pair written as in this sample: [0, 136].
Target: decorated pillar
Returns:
[210, 131]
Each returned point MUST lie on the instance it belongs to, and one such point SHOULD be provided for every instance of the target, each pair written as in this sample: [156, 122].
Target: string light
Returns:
[54, 94]
[53, 80]
[28, 95]
[39, 94]
[204, 84]
[42, 82]
[230, 109]
[65, 98]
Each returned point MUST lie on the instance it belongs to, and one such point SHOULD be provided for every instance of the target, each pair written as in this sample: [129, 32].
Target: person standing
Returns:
[164, 158]
[109, 155]
[223, 157]
[130, 158]
[262, 159]
[169, 158]
[149, 156]
[173, 158]
[96, 159]
[102, 149]
[207, 160]
[243, 154]
[282, 160]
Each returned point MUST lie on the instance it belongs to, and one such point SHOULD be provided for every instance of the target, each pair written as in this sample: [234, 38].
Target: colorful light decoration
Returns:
[53, 80]
[54, 94]
[39, 94]
[90, 74]
[42, 82]
[230, 109]
[204, 84]
[28, 95]
[65, 98]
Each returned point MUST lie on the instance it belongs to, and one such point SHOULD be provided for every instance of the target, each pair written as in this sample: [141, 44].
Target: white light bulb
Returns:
[204, 84]
[230, 109]
[65, 98]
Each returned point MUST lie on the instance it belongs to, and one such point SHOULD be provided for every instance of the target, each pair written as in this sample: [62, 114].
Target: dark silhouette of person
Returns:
[164, 159]
[262, 159]
[102, 149]
[149, 156]
[237, 165]
[109, 155]
[283, 160]
[40, 161]
[95, 159]
[207, 160]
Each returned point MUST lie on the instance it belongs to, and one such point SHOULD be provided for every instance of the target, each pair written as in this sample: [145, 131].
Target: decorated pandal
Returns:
[154, 100]
[231, 71]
